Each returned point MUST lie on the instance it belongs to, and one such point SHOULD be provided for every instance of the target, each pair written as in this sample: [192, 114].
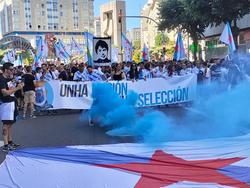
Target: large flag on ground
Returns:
[208, 163]
[89, 45]
[145, 53]
[227, 38]
[9, 56]
[128, 48]
[179, 52]
[75, 47]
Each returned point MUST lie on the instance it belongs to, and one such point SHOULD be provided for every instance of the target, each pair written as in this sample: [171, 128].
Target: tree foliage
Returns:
[137, 44]
[229, 11]
[161, 39]
[186, 16]
[194, 16]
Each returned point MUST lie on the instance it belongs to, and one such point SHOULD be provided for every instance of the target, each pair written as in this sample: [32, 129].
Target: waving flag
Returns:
[60, 51]
[227, 38]
[18, 61]
[179, 52]
[89, 44]
[128, 48]
[42, 47]
[9, 56]
[75, 47]
[205, 163]
[145, 55]
[115, 52]
[64, 47]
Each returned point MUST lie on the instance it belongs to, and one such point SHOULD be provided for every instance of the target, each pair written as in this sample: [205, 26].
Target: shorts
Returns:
[8, 112]
[29, 97]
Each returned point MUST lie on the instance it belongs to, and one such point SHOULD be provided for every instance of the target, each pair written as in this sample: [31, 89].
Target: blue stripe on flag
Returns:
[82, 156]
[237, 172]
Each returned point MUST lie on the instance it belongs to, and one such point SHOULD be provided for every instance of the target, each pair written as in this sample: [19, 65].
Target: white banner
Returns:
[153, 92]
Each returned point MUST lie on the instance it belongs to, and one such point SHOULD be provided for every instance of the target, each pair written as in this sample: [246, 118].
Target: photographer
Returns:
[8, 106]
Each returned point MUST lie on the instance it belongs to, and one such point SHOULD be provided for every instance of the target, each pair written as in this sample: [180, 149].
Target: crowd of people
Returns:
[77, 71]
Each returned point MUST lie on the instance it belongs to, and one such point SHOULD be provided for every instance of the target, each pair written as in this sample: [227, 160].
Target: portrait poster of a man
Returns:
[102, 51]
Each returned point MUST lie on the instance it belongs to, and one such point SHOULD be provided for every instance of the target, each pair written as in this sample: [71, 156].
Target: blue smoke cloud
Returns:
[217, 112]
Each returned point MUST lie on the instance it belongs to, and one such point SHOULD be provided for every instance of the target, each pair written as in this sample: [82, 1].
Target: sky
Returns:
[133, 8]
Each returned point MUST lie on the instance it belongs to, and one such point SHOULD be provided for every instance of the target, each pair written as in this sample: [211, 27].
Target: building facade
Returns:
[135, 35]
[97, 26]
[113, 22]
[65, 18]
[149, 28]
[110, 24]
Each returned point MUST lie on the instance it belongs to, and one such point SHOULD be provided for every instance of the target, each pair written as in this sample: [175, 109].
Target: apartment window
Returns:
[60, 5]
[61, 13]
[44, 27]
[42, 5]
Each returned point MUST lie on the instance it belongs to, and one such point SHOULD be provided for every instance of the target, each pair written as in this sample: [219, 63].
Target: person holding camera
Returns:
[8, 105]
[29, 92]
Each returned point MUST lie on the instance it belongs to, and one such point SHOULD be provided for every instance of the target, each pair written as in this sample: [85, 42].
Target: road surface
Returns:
[67, 129]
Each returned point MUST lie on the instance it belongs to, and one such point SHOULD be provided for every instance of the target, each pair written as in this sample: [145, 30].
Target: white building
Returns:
[64, 18]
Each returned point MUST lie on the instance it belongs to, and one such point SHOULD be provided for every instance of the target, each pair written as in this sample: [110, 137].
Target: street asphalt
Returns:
[66, 129]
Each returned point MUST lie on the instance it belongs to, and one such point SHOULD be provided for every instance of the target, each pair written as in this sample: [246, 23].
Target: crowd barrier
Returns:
[152, 92]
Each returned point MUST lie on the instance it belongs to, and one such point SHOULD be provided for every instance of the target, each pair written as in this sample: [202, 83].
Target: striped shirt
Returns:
[94, 76]
[80, 76]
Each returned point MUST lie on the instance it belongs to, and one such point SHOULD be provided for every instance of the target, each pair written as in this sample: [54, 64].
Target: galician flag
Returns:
[75, 47]
[179, 51]
[223, 162]
[9, 56]
[89, 45]
[227, 38]
[42, 47]
[64, 47]
[128, 48]
[145, 51]
[60, 51]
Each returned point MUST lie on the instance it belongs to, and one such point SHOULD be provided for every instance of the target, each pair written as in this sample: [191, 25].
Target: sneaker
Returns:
[32, 116]
[7, 148]
[14, 145]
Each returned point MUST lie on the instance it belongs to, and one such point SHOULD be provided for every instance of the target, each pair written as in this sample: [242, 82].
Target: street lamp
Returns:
[120, 21]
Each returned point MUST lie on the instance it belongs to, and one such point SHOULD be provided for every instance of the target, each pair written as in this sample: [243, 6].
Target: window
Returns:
[43, 13]
[42, 5]
[61, 13]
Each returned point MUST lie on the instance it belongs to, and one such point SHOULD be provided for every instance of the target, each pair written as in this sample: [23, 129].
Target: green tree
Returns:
[161, 39]
[189, 16]
[229, 11]
[137, 44]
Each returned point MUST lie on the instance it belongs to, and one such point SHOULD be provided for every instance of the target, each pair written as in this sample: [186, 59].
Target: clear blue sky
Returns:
[133, 8]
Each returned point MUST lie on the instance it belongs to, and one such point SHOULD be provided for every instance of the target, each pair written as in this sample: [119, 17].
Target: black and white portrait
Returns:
[102, 51]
